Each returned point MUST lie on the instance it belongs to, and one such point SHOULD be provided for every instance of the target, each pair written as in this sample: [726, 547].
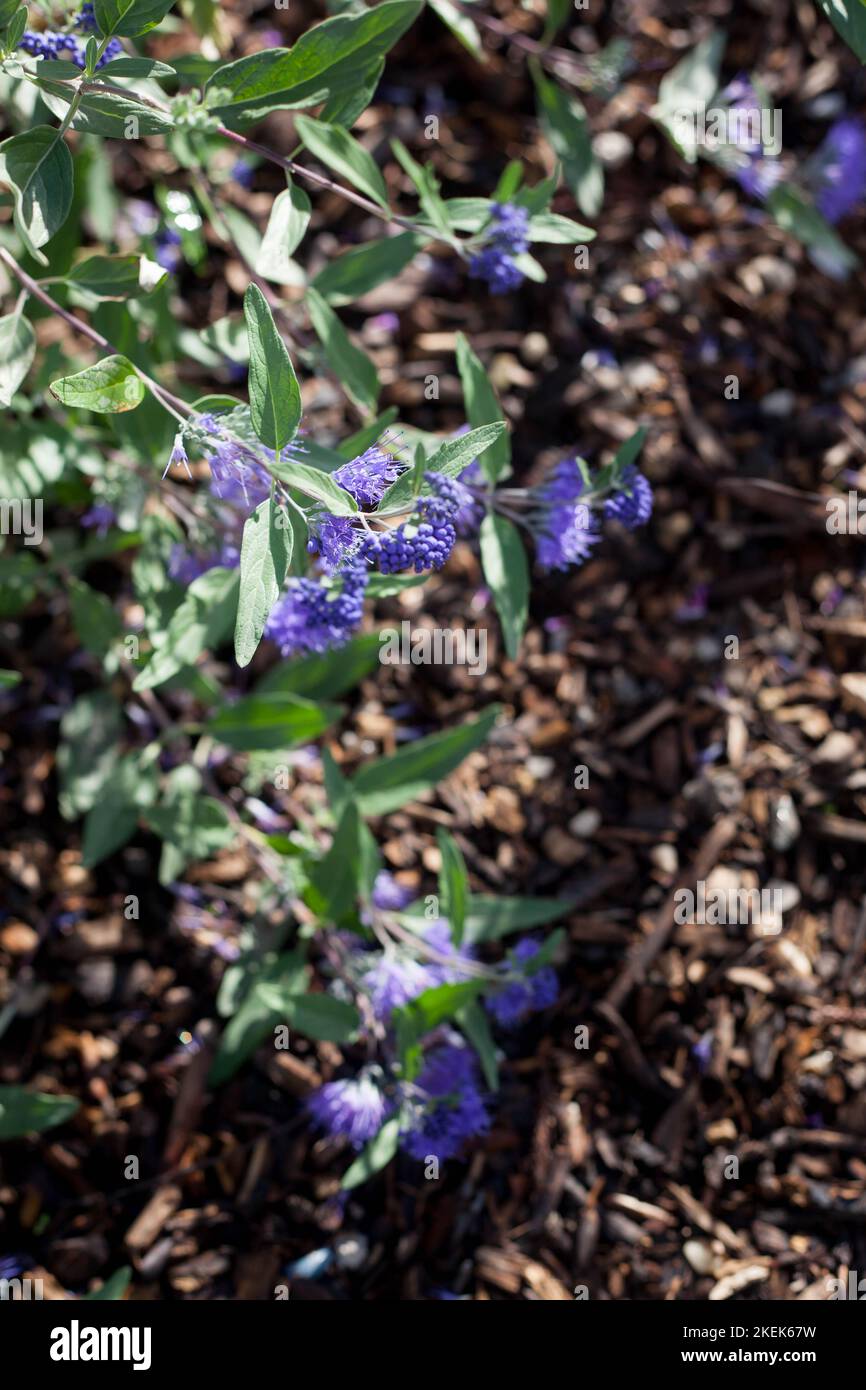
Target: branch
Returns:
[170, 401]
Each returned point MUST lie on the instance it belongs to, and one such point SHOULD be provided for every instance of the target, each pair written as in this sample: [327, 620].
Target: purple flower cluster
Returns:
[388, 895]
[101, 515]
[312, 617]
[443, 1109]
[757, 172]
[86, 20]
[519, 998]
[470, 513]
[565, 525]
[507, 237]
[839, 169]
[396, 977]
[427, 539]
[354, 1109]
[447, 1106]
[367, 477]
[243, 173]
[166, 244]
[49, 44]
[632, 505]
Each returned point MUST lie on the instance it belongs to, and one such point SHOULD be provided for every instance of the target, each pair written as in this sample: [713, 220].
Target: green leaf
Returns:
[203, 618]
[89, 732]
[57, 68]
[17, 350]
[314, 483]
[9, 679]
[461, 27]
[32, 1112]
[15, 29]
[474, 1023]
[266, 550]
[190, 825]
[337, 149]
[345, 106]
[686, 90]
[456, 454]
[352, 367]
[565, 124]
[427, 1011]
[556, 230]
[337, 878]
[7, 9]
[450, 459]
[245, 235]
[506, 572]
[272, 720]
[376, 1155]
[848, 18]
[319, 1016]
[360, 270]
[390, 782]
[427, 187]
[135, 67]
[112, 114]
[803, 220]
[275, 397]
[130, 17]
[96, 622]
[38, 168]
[483, 408]
[489, 918]
[287, 224]
[114, 277]
[387, 585]
[324, 676]
[628, 453]
[453, 883]
[113, 1289]
[256, 1017]
[330, 59]
[109, 387]
[558, 12]
[130, 789]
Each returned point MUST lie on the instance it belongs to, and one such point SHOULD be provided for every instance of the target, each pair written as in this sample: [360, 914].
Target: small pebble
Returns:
[585, 823]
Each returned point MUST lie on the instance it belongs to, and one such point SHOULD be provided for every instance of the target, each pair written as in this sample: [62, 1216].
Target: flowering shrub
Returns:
[250, 524]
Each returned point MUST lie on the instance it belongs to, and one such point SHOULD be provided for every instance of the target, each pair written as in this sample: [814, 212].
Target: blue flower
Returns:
[426, 541]
[389, 895]
[446, 1106]
[236, 477]
[100, 515]
[52, 45]
[354, 1109]
[566, 529]
[367, 477]
[178, 456]
[632, 505]
[470, 513]
[397, 976]
[839, 170]
[506, 237]
[242, 173]
[757, 172]
[394, 980]
[166, 252]
[312, 618]
[519, 998]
